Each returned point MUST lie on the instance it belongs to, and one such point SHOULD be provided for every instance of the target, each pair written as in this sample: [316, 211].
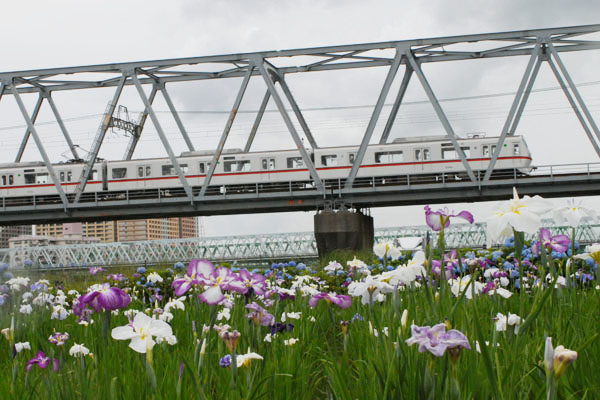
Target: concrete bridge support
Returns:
[343, 229]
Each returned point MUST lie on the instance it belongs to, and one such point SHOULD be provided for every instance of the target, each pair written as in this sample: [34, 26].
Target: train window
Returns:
[236, 166]
[69, 176]
[516, 148]
[119, 173]
[485, 151]
[29, 175]
[62, 176]
[295, 162]
[11, 180]
[140, 172]
[389, 157]
[204, 167]
[426, 154]
[329, 160]
[351, 157]
[148, 170]
[3, 180]
[450, 154]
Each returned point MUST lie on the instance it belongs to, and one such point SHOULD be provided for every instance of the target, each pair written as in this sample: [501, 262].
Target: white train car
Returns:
[428, 156]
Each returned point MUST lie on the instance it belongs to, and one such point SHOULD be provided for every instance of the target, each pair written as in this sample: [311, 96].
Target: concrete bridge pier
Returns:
[343, 229]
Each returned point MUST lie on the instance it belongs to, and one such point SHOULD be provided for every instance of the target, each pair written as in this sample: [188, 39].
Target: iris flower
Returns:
[408, 273]
[369, 289]
[436, 340]
[105, 298]
[243, 360]
[522, 215]
[340, 300]
[559, 243]
[386, 249]
[255, 281]
[141, 331]
[40, 360]
[195, 269]
[572, 213]
[441, 218]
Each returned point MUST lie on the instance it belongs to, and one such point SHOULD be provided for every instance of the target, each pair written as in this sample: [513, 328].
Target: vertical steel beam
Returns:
[374, 117]
[258, 62]
[99, 139]
[583, 122]
[34, 115]
[163, 138]
[513, 109]
[564, 71]
[163, 89]
[261, 112]
[394, 112]
[135, 138]
[62, 126]
[440, 113]
[225, 134]
[301, 120]
[40, 147]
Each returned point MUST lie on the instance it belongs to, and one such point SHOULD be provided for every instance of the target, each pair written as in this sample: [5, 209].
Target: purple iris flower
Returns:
[257, 282]
[107, 298]
[40, 359]
[217, 280]
[339, 300]
[441, 218]
[559, 243]
[436, 340]
[59, 338]
[225, 361]
[194, 270]
[260, 315]
[116, 277]
[281, 327]
[95, 270]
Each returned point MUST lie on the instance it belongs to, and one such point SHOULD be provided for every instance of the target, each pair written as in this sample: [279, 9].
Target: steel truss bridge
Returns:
[272, 67]
[244, 249]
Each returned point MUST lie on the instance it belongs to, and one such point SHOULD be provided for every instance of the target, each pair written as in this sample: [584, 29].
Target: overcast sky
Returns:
[42, 34]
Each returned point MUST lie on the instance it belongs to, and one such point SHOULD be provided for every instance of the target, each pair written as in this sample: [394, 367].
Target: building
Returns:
[156, 229]
[7, 232]
[125, 231]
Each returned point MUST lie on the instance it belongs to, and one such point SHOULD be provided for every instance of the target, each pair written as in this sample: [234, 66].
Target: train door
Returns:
[422, 154]
[142, 173]
[104, 175]
[267, 164]
[7, 181]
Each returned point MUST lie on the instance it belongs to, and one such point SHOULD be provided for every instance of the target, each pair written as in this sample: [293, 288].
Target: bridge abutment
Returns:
[343, 230]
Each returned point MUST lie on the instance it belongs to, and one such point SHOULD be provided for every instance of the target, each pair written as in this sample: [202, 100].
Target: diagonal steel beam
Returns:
[225, 134]
[163, 138]
[532, 78]
[374, 117]
[40, 147]
[259, 63]
[394, 112]
[99, 139]
[135, 138]
[261, 112]
[167, 98]
[34, 115]
[440, 113]
[513, 109]
[580, 100]
[62, 126]
[580, 117]
[301, 120]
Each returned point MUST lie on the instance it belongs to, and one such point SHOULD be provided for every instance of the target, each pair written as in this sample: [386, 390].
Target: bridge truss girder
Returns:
[248, 248]
[272, 66]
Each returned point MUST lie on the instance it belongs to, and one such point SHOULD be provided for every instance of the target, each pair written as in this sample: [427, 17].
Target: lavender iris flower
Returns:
[107, 298]
[225, 361]
[257, 282]
[559, 243]
[40, 359]
[436, 340]
[339, 300]
[441, 218]
[260, 315]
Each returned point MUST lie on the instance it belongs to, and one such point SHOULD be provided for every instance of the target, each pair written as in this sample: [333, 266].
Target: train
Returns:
[392, 163]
